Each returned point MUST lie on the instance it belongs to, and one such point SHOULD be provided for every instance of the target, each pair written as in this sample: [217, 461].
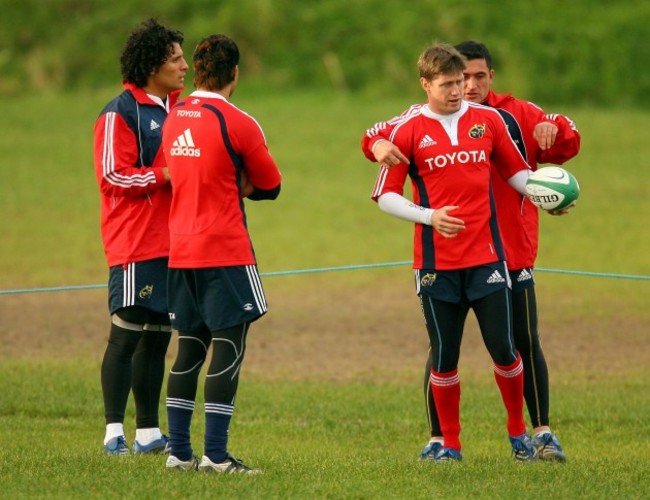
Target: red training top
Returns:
[450, 164]
[207, 143]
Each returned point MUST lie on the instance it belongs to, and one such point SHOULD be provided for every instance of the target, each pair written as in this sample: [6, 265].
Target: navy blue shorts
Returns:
[215, 298]
[522, 279]
[462, 285]
[139, 284]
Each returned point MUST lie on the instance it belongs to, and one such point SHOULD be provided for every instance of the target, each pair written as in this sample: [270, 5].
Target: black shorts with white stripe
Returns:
[139, 284]
[215, 298]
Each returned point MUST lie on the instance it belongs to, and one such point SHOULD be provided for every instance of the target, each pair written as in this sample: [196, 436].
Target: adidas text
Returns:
[185, 151]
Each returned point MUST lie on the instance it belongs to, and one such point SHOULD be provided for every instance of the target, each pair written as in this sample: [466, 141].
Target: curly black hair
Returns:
[146, 50]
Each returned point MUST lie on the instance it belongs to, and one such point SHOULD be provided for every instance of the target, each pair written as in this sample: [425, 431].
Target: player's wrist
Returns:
[374, 144]
[426, 216]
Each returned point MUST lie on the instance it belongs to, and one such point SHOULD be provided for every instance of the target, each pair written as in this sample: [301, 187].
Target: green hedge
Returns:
[554, 52]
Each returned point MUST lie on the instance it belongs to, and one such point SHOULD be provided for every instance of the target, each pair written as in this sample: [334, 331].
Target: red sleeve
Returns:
[367, 142]
[567, 142]
[115, 155]
[261, 169]
[391, 180]
[382, 130]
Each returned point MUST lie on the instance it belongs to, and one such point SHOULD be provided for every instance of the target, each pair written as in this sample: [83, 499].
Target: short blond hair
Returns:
[440, 59]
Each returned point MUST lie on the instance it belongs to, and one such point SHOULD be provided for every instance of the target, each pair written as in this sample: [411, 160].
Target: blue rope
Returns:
[51, 289]
[589, 273]
[331, 269]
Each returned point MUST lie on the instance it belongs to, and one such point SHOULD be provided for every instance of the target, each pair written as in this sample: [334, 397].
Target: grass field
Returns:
[330, 401]
[319, 440]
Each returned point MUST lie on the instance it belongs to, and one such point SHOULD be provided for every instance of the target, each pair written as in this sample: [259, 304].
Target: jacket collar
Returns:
[141, 96]
[496, 100]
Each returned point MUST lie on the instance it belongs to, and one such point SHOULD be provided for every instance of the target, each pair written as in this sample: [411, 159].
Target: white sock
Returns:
[146, 436]
[113, 431]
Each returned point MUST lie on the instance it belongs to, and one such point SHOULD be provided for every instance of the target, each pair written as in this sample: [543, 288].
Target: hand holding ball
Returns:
[552, 188]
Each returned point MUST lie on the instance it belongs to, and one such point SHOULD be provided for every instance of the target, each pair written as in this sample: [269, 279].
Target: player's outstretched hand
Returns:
[388, 155]
[564, 211]
[445, 224]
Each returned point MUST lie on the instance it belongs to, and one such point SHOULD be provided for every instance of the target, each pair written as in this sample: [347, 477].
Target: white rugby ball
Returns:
[552, 188]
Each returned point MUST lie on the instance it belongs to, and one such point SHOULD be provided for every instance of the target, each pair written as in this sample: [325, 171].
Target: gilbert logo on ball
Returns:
[552, 188]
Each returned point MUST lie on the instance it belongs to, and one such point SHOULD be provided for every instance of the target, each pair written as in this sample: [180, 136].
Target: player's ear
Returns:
[426, 84]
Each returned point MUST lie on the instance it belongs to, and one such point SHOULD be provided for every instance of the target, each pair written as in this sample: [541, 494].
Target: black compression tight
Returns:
[184, 376]
[445, 321]
[536, 383]
[148, 364]
[526, 337]
[494, 315]
[134, 360]
[222, 378]
[492, 312]
[116, 372]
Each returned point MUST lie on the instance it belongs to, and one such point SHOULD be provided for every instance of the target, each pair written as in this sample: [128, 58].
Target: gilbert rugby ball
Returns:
[552, 188]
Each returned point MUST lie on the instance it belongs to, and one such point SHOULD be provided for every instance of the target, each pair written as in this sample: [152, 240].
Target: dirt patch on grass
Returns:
[335, 331]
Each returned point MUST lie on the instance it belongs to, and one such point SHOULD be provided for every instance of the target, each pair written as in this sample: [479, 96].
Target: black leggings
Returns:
[536, 384]
[222, 377]
[526, 337]
[445, 321]
[135, 360]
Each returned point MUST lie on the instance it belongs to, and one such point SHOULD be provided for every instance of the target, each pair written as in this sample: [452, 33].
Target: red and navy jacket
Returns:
[135, 198]
[518, 217]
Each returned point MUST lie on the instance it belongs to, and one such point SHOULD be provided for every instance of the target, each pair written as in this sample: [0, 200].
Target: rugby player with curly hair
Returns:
[135, 200]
